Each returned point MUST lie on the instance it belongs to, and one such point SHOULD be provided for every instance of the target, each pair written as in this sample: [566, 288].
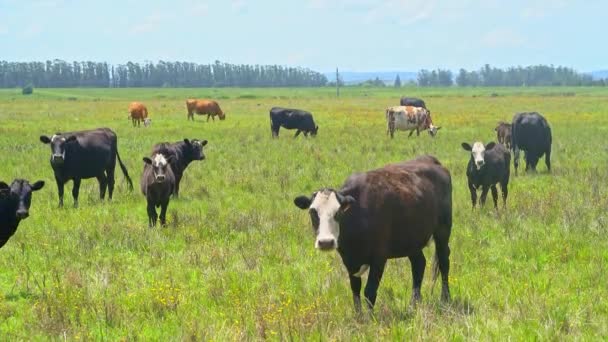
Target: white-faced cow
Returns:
[412, 101]
[409, 118]
[297, 119]
[532, 134]
[82, 155]
[15, 201]
[488, 165]
[157, 184]
[180, 155]
[391, 212]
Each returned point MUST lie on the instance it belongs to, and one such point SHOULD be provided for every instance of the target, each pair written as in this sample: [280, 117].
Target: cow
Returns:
[488, 165]
[180, 155]
[15, 201]
[412, 101]
[297, 119]
[138, 112]
[532, 134]
[81, 155]
[409, 118]
[157, 184]
[202, 107]
[387, 213]
[503, 133]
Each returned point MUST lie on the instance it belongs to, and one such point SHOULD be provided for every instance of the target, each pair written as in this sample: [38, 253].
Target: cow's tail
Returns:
[124, 171]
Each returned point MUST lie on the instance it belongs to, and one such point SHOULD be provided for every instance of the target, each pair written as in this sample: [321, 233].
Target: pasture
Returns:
[236, 261]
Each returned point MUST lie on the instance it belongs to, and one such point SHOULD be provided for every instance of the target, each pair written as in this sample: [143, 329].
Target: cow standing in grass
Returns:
[288, 118]
[391, 212]
[15, 201]
[503, 134]
[180, 155]
[139, 112]
[409, 118]
[412, 101]
[532, 134]
[204, 107]
[488, 165]
[85, 154]
[157, 184]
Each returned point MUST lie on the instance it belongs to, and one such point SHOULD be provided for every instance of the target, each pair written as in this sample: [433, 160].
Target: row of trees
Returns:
[59, 73]
[536, 75]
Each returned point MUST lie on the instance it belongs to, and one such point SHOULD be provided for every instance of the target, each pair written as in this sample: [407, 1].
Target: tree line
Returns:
[487, 76]
[59, 74]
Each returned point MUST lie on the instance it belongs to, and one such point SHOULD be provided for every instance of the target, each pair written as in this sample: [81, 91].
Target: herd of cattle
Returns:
[381, 214]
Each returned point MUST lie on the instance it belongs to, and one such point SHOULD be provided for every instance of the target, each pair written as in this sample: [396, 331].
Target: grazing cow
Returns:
[503, 133]
[488, 165]
[391, 212]
[408, 118]
[202, 107]
[82, 155]
[180, 155]
[532, 134]
[157, 184]
[15, 203]
[412, 101]
[138, 112]
[297, 119]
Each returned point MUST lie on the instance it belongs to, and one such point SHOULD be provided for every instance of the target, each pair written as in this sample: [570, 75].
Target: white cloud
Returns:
[503, 37]
[147, 25]
[542, 8]
[199, 10]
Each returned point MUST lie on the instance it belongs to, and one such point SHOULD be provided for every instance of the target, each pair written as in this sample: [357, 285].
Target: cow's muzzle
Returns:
[22, 214]
[160, 178]
[326, 244]
[57, 158]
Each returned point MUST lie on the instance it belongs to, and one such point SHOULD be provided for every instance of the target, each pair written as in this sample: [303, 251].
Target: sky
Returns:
[354, 35]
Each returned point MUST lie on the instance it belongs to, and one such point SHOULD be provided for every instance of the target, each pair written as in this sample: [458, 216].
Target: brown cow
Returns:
[138, 112]
[383, 214]
[503, 133]
[202, 107]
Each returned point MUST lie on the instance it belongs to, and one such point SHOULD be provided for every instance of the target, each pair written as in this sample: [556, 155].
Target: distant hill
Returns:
[599, 74]
[354, 77]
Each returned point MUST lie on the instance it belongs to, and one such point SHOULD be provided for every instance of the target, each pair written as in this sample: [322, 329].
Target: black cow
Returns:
[157, 184]
[532, 134]
[488, 165]
[297, 119]
[85, 154]
[412, 101]
[382, 214]
[15, 201]
[180, 155]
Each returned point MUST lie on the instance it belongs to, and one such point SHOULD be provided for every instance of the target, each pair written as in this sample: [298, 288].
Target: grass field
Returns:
[236, 261]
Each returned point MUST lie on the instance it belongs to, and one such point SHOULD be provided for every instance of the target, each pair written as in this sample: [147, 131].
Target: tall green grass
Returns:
[236, 261]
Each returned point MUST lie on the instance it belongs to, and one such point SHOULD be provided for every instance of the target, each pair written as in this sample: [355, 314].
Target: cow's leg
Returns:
[516, 158]
[473, 194]
[133, 122]
[111, 181]
[505, 191]
[442, 251]
[355, 287]
[411, 132]
[178, 178]
[548, 159]
[297, 133]
[373, 281]
[60, 186]
[418, 262]
[75, 191]
[163, 212]
[484, 194]
[494, 195]
[417, 131]
[103, 183]
[152, 216]
[306, 134]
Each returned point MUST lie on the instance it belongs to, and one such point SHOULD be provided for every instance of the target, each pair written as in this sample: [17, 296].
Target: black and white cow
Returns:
[488, 165]
[157, 184]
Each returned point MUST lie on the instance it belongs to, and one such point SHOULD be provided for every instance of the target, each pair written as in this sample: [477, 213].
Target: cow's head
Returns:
[314, 131]
[147, 122]
[194, 149]
[58, 144]
[326, 208]
[20, 191]
[222, 116]
[478, 152]
[159, 166]
[433, 129]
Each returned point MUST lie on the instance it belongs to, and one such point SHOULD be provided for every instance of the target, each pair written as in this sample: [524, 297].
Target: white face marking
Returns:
[478, 152]
[326, 206]
[159, 160]
[432, 130]
[147, 122]
[362, 270]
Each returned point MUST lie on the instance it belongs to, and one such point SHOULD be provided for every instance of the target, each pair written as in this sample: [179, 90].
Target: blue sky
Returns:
[359, 35]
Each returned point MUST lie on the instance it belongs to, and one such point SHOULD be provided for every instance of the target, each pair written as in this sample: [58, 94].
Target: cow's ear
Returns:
[38, 185]
[147, 160]
[45, 139]
[438, 127]
[4, 186]
[345, 202]
[204, 142]
[302, 202]
[490, 146]
[466, 146]
[187, 141]
[70, 138]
